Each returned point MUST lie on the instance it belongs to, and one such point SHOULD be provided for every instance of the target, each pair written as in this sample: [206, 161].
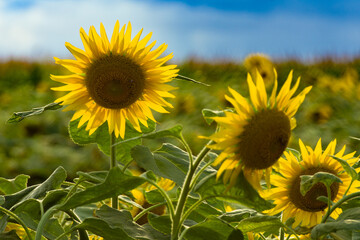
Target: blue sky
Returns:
[306, 29]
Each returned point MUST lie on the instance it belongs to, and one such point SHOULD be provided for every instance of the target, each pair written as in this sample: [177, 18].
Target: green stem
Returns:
[262, 236]
[126, 166]
[188, 149]
[338, 203]
[292, 231]
[65, 233]
[188, 212]
[17, 219]
[281, 231]
[114, 200]
[82, 232]
[142, 213]
[197, 175]
[352, 180]
[185, 192]
[328, 190]
[44, 220]
[164, 194]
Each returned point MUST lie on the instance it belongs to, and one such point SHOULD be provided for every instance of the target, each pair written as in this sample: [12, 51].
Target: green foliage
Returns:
[75, 207]
[19, 116]
[308, 181]
[241, 193]
[212, 228]
[10, 186]
[116, 183]
[208, 114]
[102, 139]
[348, 169]
[168, 161]
[347, 224]
[113, 224]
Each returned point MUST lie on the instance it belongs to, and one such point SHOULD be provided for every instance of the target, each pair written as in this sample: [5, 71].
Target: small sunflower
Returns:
[307, 210]
[261, 63]
[115, 80]
[255, 136]
[139, 198]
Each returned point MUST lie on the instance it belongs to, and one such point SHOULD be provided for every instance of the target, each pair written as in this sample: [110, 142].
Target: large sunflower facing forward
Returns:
[254, 137]
[115, 80]
[307, 210]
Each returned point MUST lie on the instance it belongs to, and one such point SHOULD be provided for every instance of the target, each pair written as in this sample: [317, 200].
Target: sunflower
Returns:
[261, 63]
[115, 80]
[253, 138]
[307, 210]
[139, 198]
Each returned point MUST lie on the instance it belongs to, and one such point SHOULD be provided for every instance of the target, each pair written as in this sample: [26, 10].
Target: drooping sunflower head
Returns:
[262, 64]
[115, 80]
[307, 210]
[255, 135]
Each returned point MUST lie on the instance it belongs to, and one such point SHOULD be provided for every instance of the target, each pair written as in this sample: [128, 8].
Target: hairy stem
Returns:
[114, 200]
[176, 224]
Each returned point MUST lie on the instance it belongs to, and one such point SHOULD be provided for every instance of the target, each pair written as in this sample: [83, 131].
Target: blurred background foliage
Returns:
[37, 145]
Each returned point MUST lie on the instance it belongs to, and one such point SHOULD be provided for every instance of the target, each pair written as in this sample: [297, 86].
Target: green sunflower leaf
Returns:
[10, 186]
[117, 224]
[352, 225]
[211, 229]
[347, 224]
[238, 215]
[9, 235]
[308, 181]
[202, 212]
[115, 184]
[102, 138]
[19, 116]
[348, 169]
[170, 132]
[30, 212]
[241, 193]
[260, 223]
[160, 223]
[168, 162]
[208, 114]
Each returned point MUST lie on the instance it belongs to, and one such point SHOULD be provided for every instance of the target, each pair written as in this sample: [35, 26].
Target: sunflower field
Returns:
[121, 141]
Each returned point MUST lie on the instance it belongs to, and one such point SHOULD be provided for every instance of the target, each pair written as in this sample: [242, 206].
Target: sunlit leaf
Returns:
[208, 114]
[308, 181]
[211, 229]
[348, 169]
[260, 223]
[116, 183]
[19, 116]
[10, 186]
[330, 227]
[241, 192]
[168, 162]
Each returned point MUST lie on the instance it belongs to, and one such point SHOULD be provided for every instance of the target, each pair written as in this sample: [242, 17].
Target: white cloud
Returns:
[43, 28]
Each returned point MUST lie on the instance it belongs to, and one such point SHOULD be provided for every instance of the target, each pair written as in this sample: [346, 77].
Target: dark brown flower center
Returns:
[115, 81]
[264, 139]
[308, 202]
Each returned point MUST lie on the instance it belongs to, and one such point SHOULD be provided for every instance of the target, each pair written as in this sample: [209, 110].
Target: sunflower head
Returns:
[139, 198]
[115, 80]
[307, 210]
[260, 63]
[255, 135]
